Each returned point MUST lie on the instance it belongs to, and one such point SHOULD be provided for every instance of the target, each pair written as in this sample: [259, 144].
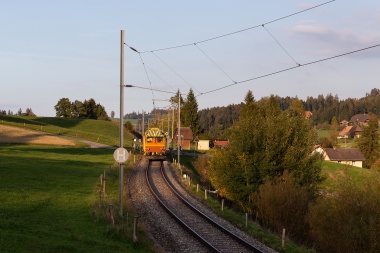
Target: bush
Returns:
[349, 219]
[284, 204]
[202, 165]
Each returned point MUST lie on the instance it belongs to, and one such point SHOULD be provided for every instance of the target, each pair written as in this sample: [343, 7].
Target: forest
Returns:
[217, 120]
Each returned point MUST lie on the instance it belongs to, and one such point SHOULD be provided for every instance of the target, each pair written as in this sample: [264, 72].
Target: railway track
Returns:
[211, 234]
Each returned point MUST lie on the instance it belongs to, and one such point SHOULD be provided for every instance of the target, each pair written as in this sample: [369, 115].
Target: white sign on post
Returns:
[120, 155]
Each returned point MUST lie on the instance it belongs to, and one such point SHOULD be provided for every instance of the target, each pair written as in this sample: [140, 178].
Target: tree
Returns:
[83, 110]
[264, 143]
[333, 133]
[369, 141]
[29, 112]
[78, 110]
[63, 108]
[190, 113]
[112, 114]
[128, 125]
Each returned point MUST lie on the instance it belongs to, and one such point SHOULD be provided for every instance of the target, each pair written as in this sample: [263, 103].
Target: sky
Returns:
[71, 49]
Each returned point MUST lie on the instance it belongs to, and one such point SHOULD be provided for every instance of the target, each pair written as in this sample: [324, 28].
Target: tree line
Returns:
[218, 120]
[88, 109]
[28, 112]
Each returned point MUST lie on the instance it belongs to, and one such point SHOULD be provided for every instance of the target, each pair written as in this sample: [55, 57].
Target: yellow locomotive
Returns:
[154, 142]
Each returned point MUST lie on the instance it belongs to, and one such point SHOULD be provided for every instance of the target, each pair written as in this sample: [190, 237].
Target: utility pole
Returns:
[179, 128]
[142, 132]
[121, 118]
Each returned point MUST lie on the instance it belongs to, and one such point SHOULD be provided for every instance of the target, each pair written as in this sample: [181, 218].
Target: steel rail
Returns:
[178, 219]
[232, 235]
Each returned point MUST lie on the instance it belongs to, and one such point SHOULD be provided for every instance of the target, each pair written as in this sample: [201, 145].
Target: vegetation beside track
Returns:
[47, 198]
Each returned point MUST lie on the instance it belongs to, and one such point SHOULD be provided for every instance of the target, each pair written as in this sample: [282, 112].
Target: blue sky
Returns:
[55, 49]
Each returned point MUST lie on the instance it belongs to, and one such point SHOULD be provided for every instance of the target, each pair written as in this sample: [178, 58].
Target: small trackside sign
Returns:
[120, 155]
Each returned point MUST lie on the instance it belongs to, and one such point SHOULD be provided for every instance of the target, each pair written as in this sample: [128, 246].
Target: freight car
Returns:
[154, 142]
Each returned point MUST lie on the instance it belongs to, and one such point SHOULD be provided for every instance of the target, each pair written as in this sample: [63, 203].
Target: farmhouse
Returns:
[350, 132]
[350, 156]
[360, 119]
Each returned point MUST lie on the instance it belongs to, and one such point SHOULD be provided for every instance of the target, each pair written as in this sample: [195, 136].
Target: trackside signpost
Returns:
[120, 155]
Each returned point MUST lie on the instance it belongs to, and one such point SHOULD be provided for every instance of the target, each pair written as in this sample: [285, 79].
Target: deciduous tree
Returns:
[63, 108]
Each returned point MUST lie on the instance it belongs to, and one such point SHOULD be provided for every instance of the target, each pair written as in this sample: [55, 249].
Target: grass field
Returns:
[46, 196]
[105, 132]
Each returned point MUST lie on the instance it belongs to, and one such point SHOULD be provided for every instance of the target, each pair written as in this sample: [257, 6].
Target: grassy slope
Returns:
[46, 196]
[105, 132]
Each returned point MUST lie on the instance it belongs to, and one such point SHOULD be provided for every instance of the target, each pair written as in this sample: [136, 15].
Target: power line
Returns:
[176, 72]
[239, 31]
[291, 68]
[213, 62]
[281, 45]
[146, 72]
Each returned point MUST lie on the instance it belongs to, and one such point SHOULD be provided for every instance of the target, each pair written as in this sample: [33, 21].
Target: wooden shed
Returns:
[186, 137]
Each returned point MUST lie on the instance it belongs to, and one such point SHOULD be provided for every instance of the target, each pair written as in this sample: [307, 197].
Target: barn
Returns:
[186, 137]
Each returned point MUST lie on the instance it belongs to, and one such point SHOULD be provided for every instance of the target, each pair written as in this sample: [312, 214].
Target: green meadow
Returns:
[47, 197]
[49, 194]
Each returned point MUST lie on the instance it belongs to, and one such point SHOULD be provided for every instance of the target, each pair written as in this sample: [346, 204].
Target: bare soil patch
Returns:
[10, 134]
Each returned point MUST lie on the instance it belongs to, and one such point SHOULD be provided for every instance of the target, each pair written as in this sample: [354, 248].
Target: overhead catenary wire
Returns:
[291, 68]
[266, 75]
[283, 48]
[238, 31]
[213, 62]
[176, 72]
[146, 72]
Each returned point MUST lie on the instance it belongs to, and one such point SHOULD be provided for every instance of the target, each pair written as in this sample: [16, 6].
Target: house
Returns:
[203, 145]
[308, 114]
[344, 123]
[318, 149]
[350, 132]
[186, 137]
[349, 156]
[360, 119]
[221, 144]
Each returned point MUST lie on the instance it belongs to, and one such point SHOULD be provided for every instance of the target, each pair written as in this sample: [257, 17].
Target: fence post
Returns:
[222, 205]
[104, 187]
[135, 228]
[100, 199]
[205, 194]
[246, 219]
[111, 213]
[197, 187]
[283, 237]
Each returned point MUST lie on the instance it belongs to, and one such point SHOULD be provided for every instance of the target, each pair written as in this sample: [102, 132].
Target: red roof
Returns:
[221, 143]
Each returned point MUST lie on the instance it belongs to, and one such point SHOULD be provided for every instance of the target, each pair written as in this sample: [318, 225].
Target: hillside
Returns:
[105, 132]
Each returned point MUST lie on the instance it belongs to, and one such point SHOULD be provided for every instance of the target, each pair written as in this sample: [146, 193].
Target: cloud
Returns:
[309, 29]
[329, 41]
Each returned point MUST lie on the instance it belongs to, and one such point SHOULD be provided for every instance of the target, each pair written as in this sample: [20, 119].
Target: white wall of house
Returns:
[203, 145]
[351, 163]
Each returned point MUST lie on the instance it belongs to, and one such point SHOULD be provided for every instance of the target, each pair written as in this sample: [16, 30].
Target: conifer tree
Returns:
[369, 141]
[190, 113]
